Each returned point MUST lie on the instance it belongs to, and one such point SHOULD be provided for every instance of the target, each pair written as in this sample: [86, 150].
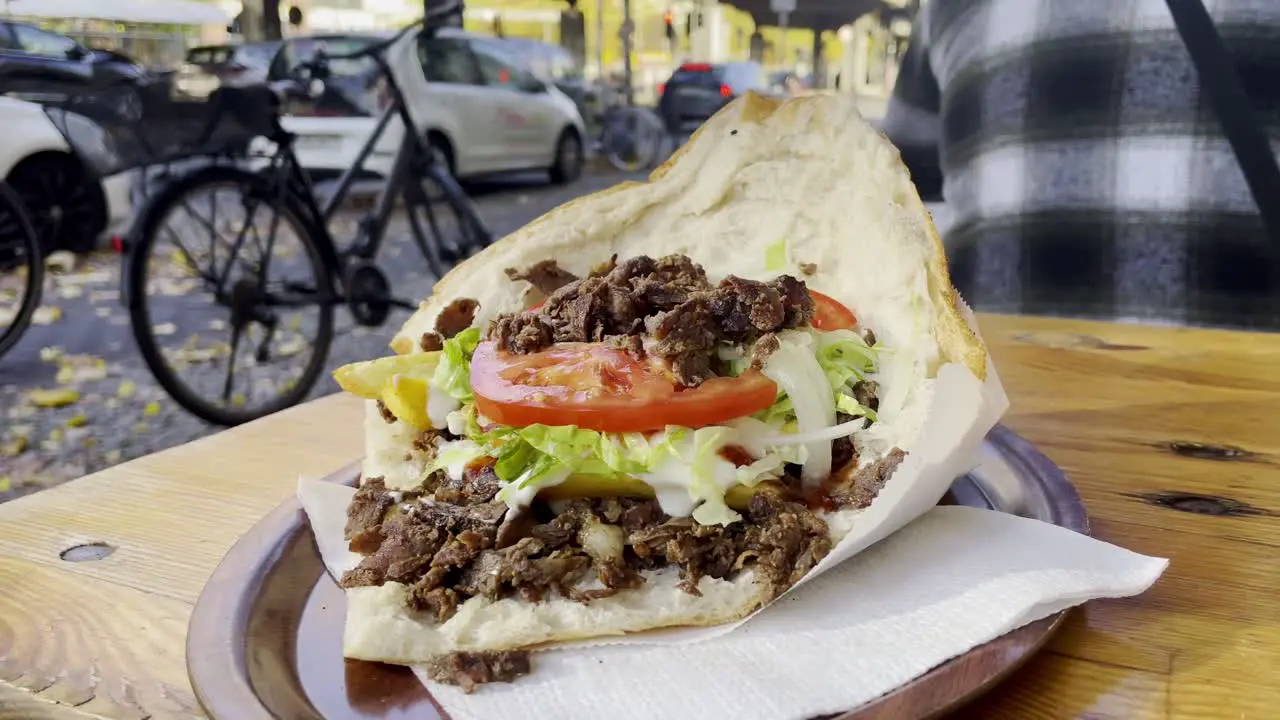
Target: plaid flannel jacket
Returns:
[1087, 174]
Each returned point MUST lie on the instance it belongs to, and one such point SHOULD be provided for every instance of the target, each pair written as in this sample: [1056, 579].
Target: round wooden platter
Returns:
[265, 639]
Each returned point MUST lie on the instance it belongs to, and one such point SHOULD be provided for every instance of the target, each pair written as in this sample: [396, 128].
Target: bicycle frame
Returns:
[289, 176]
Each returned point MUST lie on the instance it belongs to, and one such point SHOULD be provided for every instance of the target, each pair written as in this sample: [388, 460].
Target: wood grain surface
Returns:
[1171, 436]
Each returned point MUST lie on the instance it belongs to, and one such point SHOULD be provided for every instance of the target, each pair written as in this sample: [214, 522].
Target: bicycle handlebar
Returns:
[427, 21]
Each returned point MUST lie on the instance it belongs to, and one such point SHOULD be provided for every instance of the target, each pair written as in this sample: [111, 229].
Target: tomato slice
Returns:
[597, 386]
[829, 314]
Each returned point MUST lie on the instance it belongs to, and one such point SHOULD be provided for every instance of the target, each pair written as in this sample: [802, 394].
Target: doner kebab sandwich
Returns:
[659, 405]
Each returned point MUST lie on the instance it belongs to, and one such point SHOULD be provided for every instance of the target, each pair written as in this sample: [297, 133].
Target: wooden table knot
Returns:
[1061, 341]
[1201, 504]
[87, 552]
[1206, 451]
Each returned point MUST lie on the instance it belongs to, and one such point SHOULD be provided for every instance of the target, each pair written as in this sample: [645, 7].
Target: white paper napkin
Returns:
[951, 580]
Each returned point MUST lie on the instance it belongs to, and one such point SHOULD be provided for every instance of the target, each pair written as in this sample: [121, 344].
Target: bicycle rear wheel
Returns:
[633, 138]
[248, 303]
[21, 269]
[443, 220]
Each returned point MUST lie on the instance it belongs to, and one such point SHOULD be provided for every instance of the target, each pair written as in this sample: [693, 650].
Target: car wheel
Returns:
[569, 158]
[67, 205]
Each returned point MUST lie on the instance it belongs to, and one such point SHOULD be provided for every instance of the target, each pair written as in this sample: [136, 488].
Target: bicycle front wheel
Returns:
[21, 268]
[231, 296]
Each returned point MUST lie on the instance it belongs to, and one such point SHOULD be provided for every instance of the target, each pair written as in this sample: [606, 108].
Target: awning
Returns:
[171, 12]
[815, 14]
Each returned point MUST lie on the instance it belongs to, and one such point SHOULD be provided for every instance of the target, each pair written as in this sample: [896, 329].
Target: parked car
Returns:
[39, 65]
[486, 111]
[208, 67]
[551, 63]
[69, 209]
[696, 91]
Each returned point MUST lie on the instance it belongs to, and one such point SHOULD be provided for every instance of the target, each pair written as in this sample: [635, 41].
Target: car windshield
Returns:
[696, 74]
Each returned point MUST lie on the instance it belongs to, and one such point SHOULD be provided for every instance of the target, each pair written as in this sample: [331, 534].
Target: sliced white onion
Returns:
[797, 372]
[828, 434]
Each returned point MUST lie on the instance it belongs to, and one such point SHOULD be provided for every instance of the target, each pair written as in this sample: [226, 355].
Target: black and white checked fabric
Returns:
[1085, 170]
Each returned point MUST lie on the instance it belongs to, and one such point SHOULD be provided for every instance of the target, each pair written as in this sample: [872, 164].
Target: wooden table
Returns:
[1171, 435]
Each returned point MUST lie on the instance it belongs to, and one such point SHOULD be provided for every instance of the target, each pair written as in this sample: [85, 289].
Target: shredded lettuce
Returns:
[845, 359]
[453, 374]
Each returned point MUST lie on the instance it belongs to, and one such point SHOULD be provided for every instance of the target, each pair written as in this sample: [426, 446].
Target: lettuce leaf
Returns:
[453, 374]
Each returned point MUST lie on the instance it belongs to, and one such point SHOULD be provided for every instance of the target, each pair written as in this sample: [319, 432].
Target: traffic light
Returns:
[668, 22]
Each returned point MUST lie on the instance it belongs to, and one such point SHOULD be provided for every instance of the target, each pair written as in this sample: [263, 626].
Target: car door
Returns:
[529, 119]
[39, 66]
[459, 105]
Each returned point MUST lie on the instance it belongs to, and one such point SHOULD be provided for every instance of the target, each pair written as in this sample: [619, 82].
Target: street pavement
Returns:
[76, 397]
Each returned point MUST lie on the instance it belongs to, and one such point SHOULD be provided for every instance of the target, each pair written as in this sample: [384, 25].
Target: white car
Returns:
[69, 209]
[482, 109]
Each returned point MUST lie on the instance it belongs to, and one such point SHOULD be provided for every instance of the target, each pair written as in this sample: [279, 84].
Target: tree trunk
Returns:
[271, 29]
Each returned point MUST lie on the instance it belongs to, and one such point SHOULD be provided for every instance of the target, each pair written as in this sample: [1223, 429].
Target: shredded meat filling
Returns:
[668, 299]
[469, 669]
[460, 543]
[456, 317]
[546, 276]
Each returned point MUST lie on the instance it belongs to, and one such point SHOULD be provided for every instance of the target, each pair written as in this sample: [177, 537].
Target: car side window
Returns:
[6, 38]
[500, 71]
[448, 60]
[38, 42]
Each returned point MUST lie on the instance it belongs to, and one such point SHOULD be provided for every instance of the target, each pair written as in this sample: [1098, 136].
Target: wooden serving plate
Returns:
[265, 639]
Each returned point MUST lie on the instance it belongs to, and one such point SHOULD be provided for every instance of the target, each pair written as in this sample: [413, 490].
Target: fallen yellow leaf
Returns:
[81, 368]
[14, 447]
[77, 420]
[152, 409]
[126, 389]
[46, 315]
[51, 354]
[141, 427]
[60, 260]
[4, 483]
[54, 398]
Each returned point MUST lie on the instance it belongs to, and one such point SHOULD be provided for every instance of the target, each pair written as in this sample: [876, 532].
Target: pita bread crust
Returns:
[380, 628]
[600, 215]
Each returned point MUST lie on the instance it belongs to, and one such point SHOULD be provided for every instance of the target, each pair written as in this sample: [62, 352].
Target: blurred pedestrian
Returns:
[1085, 169]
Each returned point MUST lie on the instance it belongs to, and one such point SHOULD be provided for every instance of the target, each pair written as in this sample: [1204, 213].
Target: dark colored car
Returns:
[38, 65]
[697, 90]
[67, 204]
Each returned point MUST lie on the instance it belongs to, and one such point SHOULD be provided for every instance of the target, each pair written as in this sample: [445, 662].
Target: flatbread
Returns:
[807, 170]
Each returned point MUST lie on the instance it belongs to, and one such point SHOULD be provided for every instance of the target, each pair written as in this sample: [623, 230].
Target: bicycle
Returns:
[235, 273]
[631, 137]
[21, 268]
